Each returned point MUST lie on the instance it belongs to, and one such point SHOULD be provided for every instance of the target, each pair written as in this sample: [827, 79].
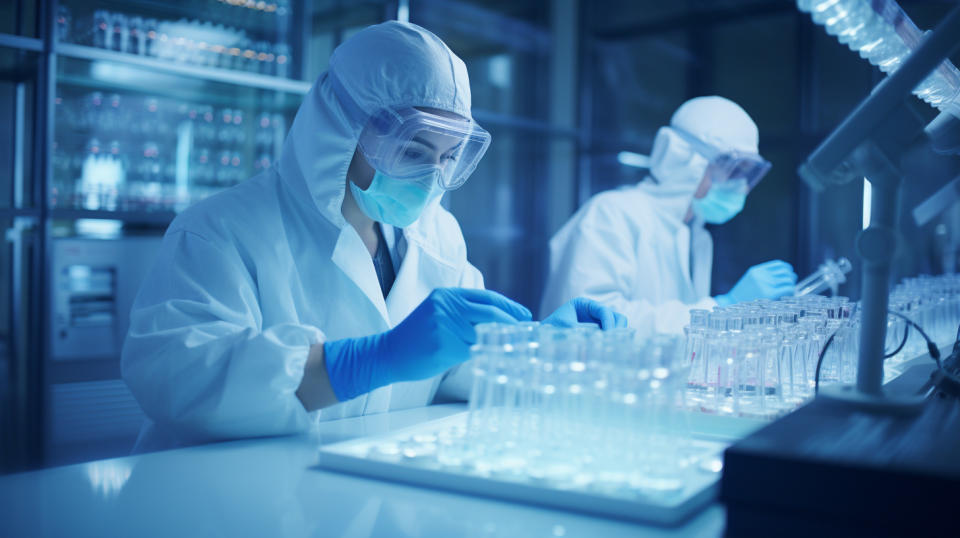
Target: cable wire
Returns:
[931, 347]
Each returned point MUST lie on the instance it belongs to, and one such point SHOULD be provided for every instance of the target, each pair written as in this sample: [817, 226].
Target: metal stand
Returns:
[877, 246]
[870, 143]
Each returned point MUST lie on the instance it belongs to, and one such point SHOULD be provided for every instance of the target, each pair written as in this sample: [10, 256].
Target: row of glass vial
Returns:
[759, 359]
[575, 407]
[933, 302]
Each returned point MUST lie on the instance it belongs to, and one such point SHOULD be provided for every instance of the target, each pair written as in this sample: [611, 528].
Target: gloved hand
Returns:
[769, 280]
[583, 310]
[435, 336]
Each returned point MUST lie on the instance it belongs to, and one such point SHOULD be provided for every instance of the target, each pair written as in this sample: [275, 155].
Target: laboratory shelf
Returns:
[20, 42]
[414, 456]
[213, 74]
[158, 217]
[9, 213]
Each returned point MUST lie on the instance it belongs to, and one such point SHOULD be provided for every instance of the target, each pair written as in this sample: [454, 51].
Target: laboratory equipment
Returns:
[884, 35]
[871, 143]
[759, 359]
[253, 42]
[575, 418]
[829, 275]
[94, 284]
[575, 407]
[833, 470]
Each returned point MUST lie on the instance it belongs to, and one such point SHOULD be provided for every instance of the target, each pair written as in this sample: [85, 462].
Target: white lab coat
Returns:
[630, 249]
[248, 280]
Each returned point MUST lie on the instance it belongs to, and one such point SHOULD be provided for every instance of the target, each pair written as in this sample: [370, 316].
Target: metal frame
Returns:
[808, 204]
[46, 90]
[28, 357]
[20, 42]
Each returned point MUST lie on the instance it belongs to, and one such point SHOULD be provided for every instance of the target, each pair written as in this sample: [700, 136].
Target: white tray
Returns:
[710, 436]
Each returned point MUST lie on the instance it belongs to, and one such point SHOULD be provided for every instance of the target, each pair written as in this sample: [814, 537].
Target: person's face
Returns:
[427, 148]
[432, 148]
[701, 191]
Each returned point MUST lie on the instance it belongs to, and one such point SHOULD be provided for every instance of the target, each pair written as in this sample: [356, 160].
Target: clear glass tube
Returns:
[882, 33]
[828, 276]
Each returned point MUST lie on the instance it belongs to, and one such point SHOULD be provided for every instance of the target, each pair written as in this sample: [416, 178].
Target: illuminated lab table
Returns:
[270, 487]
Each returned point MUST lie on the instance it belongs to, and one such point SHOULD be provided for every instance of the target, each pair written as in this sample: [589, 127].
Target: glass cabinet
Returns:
[122, 144]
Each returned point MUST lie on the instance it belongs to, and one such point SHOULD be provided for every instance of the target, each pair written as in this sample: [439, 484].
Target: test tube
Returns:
[483, 355]
[696, 334]
[556, 464]
[748, 371]
[829, 275]
[659, 467]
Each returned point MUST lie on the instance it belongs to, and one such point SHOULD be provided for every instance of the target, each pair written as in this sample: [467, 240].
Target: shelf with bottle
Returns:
[197, 46]
[139, 152]
[212, 74]
[149, 219]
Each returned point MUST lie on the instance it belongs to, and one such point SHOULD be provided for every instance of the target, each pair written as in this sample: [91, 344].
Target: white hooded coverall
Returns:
[630, 248]
[248, 280]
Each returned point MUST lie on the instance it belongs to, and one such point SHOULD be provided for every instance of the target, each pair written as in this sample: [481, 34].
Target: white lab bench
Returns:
[271, 487]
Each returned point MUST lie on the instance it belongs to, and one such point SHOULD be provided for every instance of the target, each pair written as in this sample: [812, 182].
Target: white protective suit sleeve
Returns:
[599, 262]
[196, 356]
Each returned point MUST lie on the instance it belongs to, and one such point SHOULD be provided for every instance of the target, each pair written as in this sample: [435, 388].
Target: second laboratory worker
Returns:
[644, 250]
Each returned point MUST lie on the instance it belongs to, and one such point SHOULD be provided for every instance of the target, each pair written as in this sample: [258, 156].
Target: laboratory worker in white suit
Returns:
[333, 284]
[643, 249]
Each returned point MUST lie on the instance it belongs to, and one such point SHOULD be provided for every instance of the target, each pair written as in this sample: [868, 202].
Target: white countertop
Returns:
[268, 487]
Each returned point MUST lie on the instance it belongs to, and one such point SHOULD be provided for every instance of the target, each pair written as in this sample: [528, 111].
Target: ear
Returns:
[360, 172]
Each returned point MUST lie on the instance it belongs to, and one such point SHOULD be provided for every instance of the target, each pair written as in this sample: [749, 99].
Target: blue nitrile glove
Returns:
[583, 310]
[770, 280]
[434, 337]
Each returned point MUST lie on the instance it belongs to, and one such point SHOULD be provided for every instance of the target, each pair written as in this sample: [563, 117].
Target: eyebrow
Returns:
[425, 143]
[454, 148]
[432, 147]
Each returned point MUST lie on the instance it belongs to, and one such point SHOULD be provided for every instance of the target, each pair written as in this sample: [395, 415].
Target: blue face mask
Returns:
[722, 202]
[397, 202]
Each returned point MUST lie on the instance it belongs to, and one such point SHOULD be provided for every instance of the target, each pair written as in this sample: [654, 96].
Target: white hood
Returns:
[676, 171]
[388, 65]
[676, 168]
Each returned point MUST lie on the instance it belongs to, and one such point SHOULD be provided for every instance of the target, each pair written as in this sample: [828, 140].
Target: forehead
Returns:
[440, 112]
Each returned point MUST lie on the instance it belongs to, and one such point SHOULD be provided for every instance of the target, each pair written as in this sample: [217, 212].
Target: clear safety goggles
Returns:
[416, 145]
[726, 164]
